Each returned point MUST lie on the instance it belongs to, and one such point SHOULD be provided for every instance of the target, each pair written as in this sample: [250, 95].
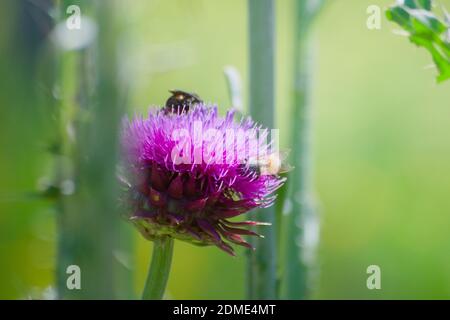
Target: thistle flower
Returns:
[189, 174]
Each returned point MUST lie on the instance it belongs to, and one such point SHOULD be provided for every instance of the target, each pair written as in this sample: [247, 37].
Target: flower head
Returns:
[190, 172]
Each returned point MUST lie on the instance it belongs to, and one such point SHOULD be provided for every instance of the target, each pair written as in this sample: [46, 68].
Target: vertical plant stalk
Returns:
[158, 272]
[88, 217]
[261, 272]
[297, 252]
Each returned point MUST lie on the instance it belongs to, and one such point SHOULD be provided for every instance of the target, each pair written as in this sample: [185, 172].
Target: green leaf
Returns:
[426, 4]
[401, 17]
[425, 30]
[417, 4]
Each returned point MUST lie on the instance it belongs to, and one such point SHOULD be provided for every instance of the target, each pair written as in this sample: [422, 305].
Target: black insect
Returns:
[181, 101]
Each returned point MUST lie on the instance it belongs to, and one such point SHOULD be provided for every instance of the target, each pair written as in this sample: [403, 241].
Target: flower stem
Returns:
[158, 273]
[261, 272]
[298, 254]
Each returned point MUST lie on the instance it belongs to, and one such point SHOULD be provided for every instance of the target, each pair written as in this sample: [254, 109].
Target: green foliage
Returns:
[426, 30]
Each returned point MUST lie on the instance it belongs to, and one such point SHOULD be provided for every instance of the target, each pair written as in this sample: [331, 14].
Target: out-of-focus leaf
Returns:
[416, 4]
[425, 30]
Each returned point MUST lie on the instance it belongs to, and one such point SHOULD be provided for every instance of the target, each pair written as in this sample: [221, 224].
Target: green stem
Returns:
[262, 262]
[158, 273]
[296, 268]
[89, 220]
[298, 254]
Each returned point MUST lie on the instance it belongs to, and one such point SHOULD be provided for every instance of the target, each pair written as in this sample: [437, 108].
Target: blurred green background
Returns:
[381, 146]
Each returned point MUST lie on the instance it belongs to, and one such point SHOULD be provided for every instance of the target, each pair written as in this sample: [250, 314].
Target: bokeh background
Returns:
[381, 146]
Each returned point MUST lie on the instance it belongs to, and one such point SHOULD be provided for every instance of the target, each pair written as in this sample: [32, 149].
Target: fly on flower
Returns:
[181, 101]
[193, 202]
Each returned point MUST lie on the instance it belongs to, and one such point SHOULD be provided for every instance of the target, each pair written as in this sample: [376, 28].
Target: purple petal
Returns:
[190, 187]
[176, 188]
[209, 229]
[241, 231]
[196, 205]
[158, 179]
[227, 248]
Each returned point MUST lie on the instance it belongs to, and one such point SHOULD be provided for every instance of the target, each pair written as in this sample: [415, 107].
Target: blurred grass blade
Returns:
[261, 271]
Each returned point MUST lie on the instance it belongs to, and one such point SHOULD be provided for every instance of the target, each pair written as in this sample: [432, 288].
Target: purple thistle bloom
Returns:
[171, 192]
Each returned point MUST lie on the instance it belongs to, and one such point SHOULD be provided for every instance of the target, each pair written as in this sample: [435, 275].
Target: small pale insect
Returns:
[272, 164]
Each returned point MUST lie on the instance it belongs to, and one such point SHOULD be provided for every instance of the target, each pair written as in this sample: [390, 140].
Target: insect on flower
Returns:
[272, 164]
[181, 101]
[193, 202]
